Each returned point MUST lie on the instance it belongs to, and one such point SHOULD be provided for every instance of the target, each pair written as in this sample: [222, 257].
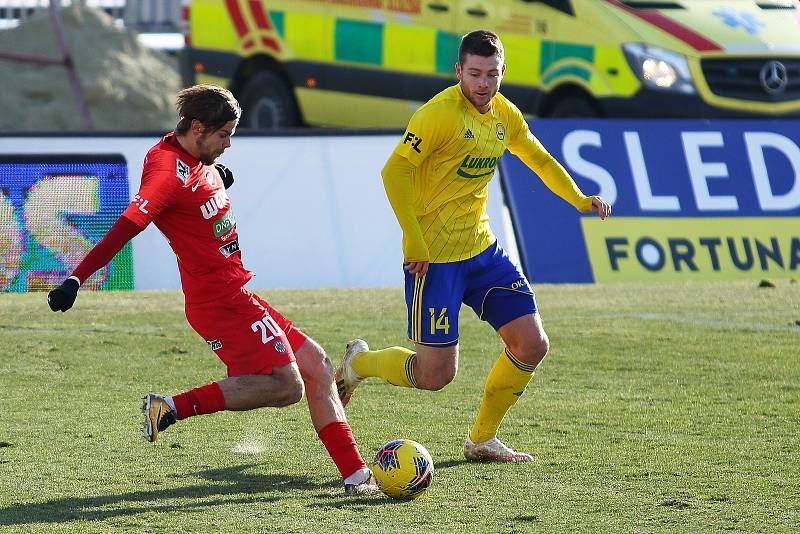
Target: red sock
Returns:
[199, 401]
[338, 439]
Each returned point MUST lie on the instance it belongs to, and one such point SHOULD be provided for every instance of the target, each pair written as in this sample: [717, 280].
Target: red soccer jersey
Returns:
[186, 200]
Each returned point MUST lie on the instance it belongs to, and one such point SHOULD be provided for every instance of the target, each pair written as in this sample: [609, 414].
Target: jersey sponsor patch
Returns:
[477, 167]
[215, 344]
[182, 170]
[224, 225]
[212, 206]
[140, 203]
[415, 141]
[229, 249]
[468, 134]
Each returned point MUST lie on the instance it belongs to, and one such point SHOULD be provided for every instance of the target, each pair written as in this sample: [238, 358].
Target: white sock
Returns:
[170, 402]
[359, 477]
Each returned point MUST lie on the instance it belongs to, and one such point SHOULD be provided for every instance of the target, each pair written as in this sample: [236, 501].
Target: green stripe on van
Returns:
[359, 42]
[553, 52]
[277, 20]
[446, 51]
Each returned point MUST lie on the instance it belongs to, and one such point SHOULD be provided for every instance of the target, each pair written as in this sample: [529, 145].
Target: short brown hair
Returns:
[480, 43]
[211, 105]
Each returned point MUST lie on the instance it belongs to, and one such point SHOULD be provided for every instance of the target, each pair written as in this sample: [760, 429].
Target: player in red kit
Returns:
[269, 361]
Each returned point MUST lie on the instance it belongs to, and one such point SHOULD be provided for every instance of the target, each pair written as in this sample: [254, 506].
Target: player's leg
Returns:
[329, 420]
[283, 387]
[500, 294]
[237, 393]
[327, 413]
[433, 302]
[317, 372]
[434, 367]
[525, 338]
[261, 365]
[510, 374]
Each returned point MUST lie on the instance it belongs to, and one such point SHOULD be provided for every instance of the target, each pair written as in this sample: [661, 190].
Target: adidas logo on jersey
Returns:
[468, 134]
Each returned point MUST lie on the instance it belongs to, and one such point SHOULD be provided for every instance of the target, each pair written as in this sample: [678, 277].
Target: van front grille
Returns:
[759, 79]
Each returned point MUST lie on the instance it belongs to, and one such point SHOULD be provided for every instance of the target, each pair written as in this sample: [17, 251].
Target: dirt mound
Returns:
[127, 86]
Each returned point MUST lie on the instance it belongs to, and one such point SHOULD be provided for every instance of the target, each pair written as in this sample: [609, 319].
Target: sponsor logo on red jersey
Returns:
[224, 225]
[140, 203]
[211, 207]
[229, 249]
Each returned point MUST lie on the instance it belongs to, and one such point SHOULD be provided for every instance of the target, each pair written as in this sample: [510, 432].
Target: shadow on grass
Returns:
[229, 486]
[452, 463]
[359, 503]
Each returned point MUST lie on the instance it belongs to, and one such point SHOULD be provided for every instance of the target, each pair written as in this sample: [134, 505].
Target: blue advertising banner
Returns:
[53, 209]
[691, 200]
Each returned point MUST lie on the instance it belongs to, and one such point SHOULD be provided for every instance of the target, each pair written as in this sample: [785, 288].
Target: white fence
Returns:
[145, 16]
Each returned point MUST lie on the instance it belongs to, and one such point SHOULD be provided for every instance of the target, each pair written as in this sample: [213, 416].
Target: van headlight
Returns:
[660, 69]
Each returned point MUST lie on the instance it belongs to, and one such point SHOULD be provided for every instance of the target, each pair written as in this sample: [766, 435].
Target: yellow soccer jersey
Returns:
[455, 150]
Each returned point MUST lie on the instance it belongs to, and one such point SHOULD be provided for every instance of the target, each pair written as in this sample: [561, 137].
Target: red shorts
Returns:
[247, 334]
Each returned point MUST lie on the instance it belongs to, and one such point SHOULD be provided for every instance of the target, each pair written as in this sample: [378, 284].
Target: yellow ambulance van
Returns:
[371, 63]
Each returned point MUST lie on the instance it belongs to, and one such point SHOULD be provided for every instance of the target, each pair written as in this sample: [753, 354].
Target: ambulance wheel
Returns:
[573, 106]
[267, 102]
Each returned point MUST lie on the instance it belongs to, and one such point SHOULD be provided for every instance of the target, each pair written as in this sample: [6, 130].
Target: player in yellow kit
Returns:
[437, 182]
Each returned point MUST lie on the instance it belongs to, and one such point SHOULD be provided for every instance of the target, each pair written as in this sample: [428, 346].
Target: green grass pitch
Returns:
[661, 408]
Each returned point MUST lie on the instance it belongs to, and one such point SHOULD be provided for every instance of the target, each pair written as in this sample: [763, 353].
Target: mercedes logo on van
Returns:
[773, 76]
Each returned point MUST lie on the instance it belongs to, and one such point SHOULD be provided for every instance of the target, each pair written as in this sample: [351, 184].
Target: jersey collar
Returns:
[489, 115]
[172, 142]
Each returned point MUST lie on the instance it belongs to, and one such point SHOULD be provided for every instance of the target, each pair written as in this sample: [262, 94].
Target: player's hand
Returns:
[420, 268]
[226, 175]
[63, 297]
[602, 207]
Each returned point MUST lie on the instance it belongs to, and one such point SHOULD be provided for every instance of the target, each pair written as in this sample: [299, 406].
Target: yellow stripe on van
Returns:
[523, 59]
[207, 15]
[310, 37]
[409, 48]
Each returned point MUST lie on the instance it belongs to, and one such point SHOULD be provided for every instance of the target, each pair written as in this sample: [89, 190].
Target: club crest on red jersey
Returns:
[182, 170]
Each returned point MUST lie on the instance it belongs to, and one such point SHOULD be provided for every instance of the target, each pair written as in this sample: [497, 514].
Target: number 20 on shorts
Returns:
[268, 328]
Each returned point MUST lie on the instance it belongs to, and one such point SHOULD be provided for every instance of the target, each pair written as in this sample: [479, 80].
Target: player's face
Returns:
[480, 79]
[211, 145]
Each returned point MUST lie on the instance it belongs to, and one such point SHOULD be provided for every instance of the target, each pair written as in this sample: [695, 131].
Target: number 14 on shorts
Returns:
[439, 321]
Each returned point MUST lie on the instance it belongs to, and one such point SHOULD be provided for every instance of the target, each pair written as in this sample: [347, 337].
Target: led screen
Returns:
[53, 210]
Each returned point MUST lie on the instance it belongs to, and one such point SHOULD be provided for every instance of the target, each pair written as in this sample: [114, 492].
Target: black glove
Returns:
[63, 297]
[226, 175]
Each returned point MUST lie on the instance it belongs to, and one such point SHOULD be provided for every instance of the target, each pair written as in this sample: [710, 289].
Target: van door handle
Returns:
[438, 7]
[476, 12]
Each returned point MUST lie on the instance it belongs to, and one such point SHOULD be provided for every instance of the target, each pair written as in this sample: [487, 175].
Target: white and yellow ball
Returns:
[403, 469]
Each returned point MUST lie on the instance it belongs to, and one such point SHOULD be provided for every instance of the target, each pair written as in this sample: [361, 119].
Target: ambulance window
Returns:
[561, 5]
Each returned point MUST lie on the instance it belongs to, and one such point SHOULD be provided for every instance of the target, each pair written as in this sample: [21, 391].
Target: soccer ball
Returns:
[403, 469]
